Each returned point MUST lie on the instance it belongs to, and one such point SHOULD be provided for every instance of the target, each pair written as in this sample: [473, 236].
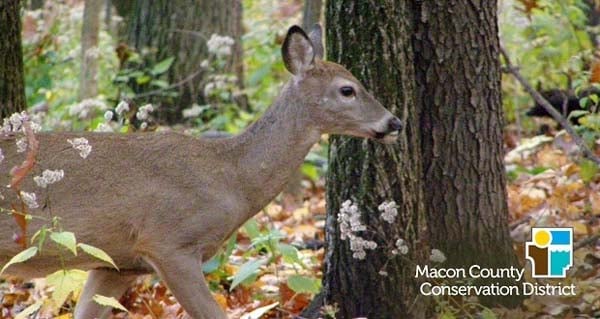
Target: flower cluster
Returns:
[21, 145]
[349, 223]
[193, 111]
[144, 112]
[220, 45]
[14, 123]
[219, 82]
[49, 177]
[401, 247]
[389, 211]
[86, 107]
[122, 107]
[29, 199]
[437, 256]
[81, 144]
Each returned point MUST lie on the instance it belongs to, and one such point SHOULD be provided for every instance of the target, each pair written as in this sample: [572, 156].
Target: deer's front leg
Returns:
[182, 272]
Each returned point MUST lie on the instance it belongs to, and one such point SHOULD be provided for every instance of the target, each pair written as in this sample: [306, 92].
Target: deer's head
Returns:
[337, 102]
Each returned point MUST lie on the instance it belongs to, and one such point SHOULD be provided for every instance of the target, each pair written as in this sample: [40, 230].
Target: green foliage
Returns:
[109, 302]
[23, 256]
[246, 273]
[550, 45]
[301, 284]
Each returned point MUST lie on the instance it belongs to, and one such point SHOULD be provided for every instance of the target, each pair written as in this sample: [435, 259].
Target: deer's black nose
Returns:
[395, 124]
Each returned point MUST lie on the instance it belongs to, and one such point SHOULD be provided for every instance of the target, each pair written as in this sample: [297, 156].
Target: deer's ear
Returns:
[298, 52]
[316, 38]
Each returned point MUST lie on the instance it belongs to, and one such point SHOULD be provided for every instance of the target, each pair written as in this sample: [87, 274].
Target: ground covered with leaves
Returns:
[272, 267]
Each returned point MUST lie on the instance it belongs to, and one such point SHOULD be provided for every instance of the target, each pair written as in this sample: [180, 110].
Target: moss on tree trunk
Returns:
[372, 39]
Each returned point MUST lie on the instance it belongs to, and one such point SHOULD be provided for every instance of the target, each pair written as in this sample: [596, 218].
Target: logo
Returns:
[550, 251]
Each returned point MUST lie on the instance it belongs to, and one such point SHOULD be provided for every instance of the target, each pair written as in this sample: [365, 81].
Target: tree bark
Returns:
[180, 29]
[12, 86]
[88, 83]
[458, 79]
[372, 39]
[312, 13]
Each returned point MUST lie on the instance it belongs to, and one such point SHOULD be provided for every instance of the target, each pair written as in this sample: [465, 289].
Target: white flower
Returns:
[143, 126]
[349, 223]
[204, 64]
[220, 45]
[108, 115]
[122, 107]
[383, 273]
[29, 199]
[49, 177]
[81, 144]
[84, 108]
[389, 211]
[144, 112]
[208, 88]
[104, 127]
[437, 256]
[401, 247]
[21, 145]
[14, 123]
[193, 111]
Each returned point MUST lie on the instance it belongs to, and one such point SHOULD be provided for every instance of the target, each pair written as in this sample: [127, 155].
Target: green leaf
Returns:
[246, 271]
[21, 257]
[588, 170]
[143, 79]
[162, 66]
[251, 228]
[310, 171]
[97, 253]
[290, 254]
[29, 311]
[160, 83]
[259, 312]
[65, 282]
[302, 284]
[109, 302]
[65, 239]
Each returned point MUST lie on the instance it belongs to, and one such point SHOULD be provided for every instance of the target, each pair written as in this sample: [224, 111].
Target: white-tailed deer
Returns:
[165, 202]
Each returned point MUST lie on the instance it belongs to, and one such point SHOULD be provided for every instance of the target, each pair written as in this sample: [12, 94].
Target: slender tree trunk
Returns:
[312, 13]
[372, 39]
[12, 87]
[180, 29]
[88, 84]
[458, 74]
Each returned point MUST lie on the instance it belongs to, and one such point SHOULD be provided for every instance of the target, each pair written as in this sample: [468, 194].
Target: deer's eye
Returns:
[347, 91]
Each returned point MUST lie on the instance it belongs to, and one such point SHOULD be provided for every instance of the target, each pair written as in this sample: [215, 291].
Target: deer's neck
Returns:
[272, 149]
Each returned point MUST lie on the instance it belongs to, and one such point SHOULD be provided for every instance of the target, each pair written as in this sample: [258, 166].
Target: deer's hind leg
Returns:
[104, 282]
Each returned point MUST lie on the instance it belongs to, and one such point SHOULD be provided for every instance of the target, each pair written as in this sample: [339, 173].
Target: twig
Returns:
[548, 107]
[586, 242]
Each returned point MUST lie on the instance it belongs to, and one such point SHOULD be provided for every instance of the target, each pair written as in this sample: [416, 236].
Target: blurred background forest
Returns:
[212, 69]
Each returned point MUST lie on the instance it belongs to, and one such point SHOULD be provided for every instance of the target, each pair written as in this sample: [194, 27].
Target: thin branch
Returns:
[548, 107]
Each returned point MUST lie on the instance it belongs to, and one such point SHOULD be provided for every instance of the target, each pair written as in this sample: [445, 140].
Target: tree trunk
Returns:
[12, 87]
[36, 4]
[88, 83]
[312, 13]
[372, 39]
[180, 29]
[458, 75]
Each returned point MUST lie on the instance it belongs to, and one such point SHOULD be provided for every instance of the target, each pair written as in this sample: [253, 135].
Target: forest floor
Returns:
[546, 187]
